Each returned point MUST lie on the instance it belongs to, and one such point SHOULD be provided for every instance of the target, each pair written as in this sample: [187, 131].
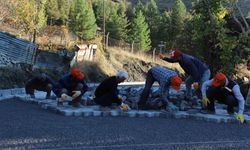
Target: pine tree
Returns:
[117, 23]
[52, 11]
[64, 8]
[83, 21]
[165, 29]
[139, 7]
[153, 17]
[177, 19]
[140, 33]
[210, 35]
[98, 10]
[41, 15]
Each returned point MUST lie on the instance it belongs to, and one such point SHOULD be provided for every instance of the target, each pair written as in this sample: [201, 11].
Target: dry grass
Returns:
[119, 54]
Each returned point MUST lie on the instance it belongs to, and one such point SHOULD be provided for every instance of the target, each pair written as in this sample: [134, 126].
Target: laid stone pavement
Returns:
[221, 115]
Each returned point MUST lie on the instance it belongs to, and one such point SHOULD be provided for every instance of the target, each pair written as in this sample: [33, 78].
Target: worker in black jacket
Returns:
[107, 93]
[41, 83]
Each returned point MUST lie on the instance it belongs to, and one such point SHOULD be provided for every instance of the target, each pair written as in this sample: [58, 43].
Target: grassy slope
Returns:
[136, 64]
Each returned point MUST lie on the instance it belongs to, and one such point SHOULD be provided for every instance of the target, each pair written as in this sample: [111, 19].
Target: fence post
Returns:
[132, 47]
[107, 40]
[154, 54]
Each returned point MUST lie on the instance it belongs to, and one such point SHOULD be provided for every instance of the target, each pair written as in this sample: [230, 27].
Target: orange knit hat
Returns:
[219, 80]
[176, 82]
[77, 74]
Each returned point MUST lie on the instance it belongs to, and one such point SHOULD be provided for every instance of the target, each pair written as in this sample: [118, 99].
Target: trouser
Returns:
[189, 81]
[146, 91]
[215, 94]
[248, 98]
[45, 88]
[107, 99]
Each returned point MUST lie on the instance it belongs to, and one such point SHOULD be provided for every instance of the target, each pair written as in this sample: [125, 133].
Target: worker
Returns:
[197, 71]
[107, 93]
[42, 82]
[71, 87]
[224, 90]
[166, 78]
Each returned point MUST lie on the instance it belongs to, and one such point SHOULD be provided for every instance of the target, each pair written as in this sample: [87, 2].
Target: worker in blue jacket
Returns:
[197, 71]
[71, 85]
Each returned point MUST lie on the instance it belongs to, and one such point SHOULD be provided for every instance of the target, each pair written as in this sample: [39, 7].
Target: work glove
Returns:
[196, 86]
[124, 107]
[63, 97]
[171, 107]
[205, 101]
[76, 94]
[240, 117]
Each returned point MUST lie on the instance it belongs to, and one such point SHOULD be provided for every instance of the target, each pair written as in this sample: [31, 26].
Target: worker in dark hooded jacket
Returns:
[71, 85]
[42, 82]
[106, 93]
[197, 71]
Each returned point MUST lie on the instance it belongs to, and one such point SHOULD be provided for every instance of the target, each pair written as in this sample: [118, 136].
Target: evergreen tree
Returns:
[64, 8]
[83, 21]
[52, 11]
[177, 19]
[117, 22]
[41, 15]
[165, 29]
[139, 7]
[140, 33]
[210, 35]
[153, 17]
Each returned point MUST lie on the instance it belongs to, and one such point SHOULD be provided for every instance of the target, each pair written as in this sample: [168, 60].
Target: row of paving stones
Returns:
[87, 111]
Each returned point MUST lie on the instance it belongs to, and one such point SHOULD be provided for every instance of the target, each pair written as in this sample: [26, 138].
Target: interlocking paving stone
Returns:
[97, 113]
[221, 115]
[115, 113]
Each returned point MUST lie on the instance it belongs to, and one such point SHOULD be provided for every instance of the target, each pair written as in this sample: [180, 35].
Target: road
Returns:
[27, 126]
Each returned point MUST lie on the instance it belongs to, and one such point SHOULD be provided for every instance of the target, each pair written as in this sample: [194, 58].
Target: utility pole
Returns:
[104, 47]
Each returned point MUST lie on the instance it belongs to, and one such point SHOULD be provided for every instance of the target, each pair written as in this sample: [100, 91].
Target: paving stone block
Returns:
[52, 107]
[197, 116]
[181, 114]
[131, 113]
[213, 118]
[5, 93]
[97, 113]
[106, 113]
[66, 112]
[94, 107]
[87, 112]
[141, 113]
[115, 113]
[150, 114]
[77, 112]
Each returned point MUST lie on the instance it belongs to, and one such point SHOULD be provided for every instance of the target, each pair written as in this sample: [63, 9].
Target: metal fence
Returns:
[18, 50]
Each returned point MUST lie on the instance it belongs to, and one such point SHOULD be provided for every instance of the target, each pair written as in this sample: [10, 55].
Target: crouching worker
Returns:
[225, 91]
[70, 88]
[166, 78]
[106, 93]
[40, 83]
